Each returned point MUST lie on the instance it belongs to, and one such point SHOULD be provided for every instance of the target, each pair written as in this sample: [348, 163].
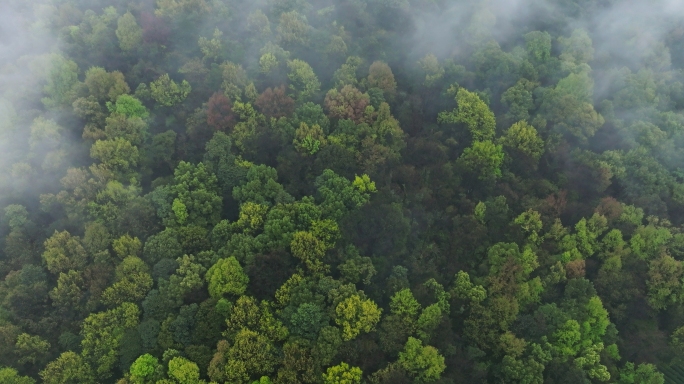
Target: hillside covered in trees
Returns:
[341, 191]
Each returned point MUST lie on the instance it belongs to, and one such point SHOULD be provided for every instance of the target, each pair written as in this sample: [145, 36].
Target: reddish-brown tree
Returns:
[155, 30]
[275, 102]
[220, 114]
[348, 103]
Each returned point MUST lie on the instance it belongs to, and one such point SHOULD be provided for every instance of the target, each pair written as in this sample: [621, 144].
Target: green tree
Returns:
[68, 368]
[62, 81]
[133, 281]
[145, 369]
[129, 106]
[251, 355]
[472, 112]
[483, 159]
[64, 252]
[226, 277]
[524, 139]
[197, 199]
[31, 349]
[102, 333]
[184, 371]
[424, 363]
[644, 373]
[292, 29]
[342, 374]
[303, 80]
[380, 76]
[664, 282]
[117, 156]
[128, 32]
[11, 376]
[169, 93]
[356, 315]
[405, 305]
[105, 86]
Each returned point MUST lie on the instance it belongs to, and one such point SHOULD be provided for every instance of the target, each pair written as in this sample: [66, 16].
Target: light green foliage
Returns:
[309, 250]
[524, 138]
[587, 233]
[293, 29]
[226, 277]
[31, 349]
[428, 321]
[424, 363]
[589, 361]
[309, 140]
[406, 306]
[129, 106]
[665, 282]
[211, 48]
[128, 32]
[105, 86]
[464, 289]
[346, 74]
[118, 156]
[102, 332]
[342, 374]
[472, 112]
[133, 281]
[268, 62]
[643, 374]
[649, 241]
[184, 371]
[484, 159]
[538, 46]
[364, 184]
[566, 340]
[197, 199]
[16, 216]
[303, 80]
[144, 368]
[433, 70]
[69, 367]
[11, 376]
[64, 252]
[577, 49]
[234, 80]
[356, 315]
[127, 246]
[61, 82]
[530, 222]
[167, 92]
[339, 195]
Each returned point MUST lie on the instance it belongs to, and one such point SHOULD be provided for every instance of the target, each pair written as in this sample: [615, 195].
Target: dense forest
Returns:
[341, 191]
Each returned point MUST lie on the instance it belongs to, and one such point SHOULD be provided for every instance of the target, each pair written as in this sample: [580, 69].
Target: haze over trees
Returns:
[341, 191]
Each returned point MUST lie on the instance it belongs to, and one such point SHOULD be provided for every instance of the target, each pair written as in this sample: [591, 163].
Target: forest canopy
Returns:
[341, 191]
